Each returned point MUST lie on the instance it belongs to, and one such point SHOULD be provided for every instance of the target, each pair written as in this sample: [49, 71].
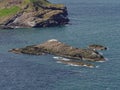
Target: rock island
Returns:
[58, 48]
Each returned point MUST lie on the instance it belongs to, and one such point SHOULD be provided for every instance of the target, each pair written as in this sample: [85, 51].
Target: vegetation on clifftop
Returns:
[11, 7]
[9, 11]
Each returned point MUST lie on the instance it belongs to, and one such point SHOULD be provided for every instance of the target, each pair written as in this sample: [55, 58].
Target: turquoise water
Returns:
[90, 22]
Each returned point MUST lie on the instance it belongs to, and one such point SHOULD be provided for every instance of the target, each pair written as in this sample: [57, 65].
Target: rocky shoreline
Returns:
[57, 48]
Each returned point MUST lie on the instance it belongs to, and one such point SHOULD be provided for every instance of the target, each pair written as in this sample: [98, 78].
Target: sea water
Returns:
[91, 22]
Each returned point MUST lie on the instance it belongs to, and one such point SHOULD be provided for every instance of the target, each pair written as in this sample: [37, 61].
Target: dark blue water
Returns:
[95, 21]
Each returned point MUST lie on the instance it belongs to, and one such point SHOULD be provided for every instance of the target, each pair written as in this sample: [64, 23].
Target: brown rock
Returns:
[97, 47]
[55, 47]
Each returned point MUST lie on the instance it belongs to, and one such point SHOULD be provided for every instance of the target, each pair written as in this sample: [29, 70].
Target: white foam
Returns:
[88, 66]
[101, 61]
[106, 59]
[65, 59]
[61, 58]
[79, 65]
[85, 65]
[56, 58]
[69, 64]
[73, 65]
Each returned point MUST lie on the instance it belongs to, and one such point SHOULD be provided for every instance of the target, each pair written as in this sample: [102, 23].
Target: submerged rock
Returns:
[32, 13]
[58, 48]
[97, 47]
[80, 63]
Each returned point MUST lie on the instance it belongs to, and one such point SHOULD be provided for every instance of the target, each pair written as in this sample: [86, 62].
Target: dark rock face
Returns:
[35, 14]
[55, 47]
[47, 18]
[5, 27]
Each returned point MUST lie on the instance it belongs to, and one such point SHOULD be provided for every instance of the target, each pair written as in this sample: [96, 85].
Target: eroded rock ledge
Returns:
[97, 47]
[58, 48]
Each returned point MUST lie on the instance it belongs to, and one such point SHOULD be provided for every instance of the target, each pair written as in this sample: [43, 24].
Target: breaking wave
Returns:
[61, 58]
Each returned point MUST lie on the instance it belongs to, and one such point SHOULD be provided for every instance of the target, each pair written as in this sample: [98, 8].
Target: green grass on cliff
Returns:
[45, 3]
[9, 11]
[42, 2]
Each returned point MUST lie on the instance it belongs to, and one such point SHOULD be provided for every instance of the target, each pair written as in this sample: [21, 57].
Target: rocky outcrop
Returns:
[97, 47]
[77, 63]
[58, 48]
[35, 13]
[5, 27]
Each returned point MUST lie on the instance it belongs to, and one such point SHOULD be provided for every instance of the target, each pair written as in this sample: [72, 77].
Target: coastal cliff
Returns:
[31, 13]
